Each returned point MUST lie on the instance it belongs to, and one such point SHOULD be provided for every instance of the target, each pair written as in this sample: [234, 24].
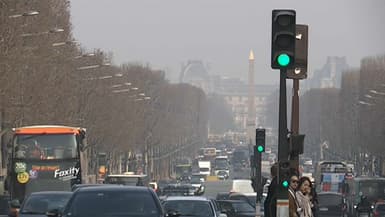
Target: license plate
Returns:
[323, 209]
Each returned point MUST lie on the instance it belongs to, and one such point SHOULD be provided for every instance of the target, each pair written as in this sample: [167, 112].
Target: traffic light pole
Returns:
[294, 159]
[283, 146]
[258, 181]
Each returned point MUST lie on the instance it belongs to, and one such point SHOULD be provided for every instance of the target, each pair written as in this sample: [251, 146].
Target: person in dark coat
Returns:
[270, 205]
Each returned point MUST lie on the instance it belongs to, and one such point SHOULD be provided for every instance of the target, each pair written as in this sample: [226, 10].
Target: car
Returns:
[331, 204]
[222, 175]
[242, 186]
[223, 195]
[77, 186]
[249, 198]
[190, 206]
[379, 209]
[112, 200]
[38, 203]
[236, 208]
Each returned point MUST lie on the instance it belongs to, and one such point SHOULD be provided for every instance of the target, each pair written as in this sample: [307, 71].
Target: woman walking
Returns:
[304, 203]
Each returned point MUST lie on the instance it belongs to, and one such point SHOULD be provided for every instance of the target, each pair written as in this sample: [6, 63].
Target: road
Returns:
[213, 187]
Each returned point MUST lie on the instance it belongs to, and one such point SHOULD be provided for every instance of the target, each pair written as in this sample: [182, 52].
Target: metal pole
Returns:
[258, 181]
[294, 159]
[283, 148]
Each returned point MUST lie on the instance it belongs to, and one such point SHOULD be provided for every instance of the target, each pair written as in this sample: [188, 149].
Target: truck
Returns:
[204, 167]
[221, 164]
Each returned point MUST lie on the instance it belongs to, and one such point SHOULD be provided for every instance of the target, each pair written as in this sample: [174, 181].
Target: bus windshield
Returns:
[45, 146]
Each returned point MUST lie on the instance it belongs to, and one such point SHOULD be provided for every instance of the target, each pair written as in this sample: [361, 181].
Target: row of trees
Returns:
[48, 78]
[349, 122]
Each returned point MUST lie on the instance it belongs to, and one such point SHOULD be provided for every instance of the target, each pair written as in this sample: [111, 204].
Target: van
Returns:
[242, 186]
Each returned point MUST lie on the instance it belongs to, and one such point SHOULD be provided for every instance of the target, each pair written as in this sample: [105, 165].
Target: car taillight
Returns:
[376, 214]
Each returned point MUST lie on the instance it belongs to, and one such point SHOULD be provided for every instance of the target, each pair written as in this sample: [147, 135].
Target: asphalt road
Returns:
[213, 187]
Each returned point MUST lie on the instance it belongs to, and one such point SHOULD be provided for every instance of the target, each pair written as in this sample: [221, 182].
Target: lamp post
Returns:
[26, 14]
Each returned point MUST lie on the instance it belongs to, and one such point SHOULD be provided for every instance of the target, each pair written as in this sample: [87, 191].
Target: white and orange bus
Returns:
[46, 157]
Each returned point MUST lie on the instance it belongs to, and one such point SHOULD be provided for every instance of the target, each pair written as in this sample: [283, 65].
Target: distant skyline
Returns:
[221, 33]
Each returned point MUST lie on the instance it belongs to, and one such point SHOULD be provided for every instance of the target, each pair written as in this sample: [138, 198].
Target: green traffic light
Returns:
[260, 148]
[285, 184]
[283, 59]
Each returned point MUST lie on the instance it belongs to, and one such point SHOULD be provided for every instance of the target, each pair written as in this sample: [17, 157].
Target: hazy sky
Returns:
[167, 33]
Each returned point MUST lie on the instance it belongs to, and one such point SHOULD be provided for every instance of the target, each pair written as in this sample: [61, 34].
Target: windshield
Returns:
[243, 207]
[372, 189]
[116, 203]
[47, 146]
[40, 204]
[329, 200]
[195, 179]
[189, 207]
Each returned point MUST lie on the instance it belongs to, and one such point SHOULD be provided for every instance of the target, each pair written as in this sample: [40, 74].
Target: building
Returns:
[233, 90]
[329, 76]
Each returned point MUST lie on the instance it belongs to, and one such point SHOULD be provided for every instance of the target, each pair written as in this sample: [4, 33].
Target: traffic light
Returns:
[260, 140]
[301, 47]
[296, 144]
[283, 39]
[284, 173]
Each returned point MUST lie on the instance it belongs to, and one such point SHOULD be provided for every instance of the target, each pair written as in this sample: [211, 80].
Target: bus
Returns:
[221, 164]
[371, 187]
[183, 170]
[46, 158]
[330, 176]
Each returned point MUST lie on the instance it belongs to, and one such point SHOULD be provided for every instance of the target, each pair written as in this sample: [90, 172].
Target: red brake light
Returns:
[376, 213]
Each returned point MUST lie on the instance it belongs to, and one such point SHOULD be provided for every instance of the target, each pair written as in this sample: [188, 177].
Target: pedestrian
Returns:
[313, 200]
[271, 198]
[303, 197]
[293, 203]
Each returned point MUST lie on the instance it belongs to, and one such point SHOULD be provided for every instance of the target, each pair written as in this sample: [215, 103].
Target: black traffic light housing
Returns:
[301, 52]
[296, 144]
[260, 140]
[283, 39]
[284, 173]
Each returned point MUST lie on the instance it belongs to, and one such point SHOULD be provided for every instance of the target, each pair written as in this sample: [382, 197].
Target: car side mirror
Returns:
[53, 213]
[14, 204]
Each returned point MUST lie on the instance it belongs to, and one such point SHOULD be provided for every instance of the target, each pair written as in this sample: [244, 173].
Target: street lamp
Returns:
[26, 14]
[96, 66]
[85, 55]
[55, 30]
[365, 103]
[57, 44]
[377, 92]
[121, 91]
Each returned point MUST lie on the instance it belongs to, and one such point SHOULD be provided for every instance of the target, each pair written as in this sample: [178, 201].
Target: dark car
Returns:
[39, 203]
[331, 204]
[236, 208]
[100, 201]
[379, 209]
[77, 186]
[223, 195]
[250, 198]
[191, 206]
